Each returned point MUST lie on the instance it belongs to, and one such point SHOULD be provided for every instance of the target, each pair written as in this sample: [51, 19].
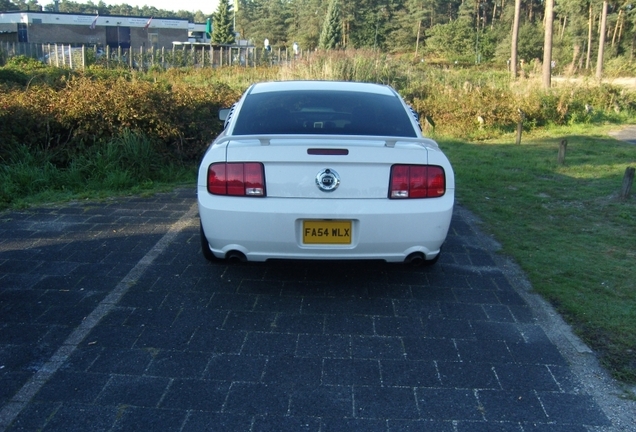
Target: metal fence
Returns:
[182, 55]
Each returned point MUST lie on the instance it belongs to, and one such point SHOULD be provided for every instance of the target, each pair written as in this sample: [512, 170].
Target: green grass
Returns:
[129, 164]
[565, 225]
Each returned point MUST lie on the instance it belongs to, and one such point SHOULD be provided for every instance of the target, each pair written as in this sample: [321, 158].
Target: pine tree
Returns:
[331, 35]
[222, 28]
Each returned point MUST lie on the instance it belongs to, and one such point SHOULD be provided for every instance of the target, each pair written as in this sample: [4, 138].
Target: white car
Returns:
[323, 170]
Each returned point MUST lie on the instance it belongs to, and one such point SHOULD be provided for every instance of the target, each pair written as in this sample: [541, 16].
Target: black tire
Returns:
[205, 246]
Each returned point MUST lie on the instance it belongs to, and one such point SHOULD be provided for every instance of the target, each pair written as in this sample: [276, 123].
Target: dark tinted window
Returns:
[323, 112]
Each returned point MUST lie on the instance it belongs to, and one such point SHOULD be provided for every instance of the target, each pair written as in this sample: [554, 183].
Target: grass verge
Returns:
[565, 225]
[129, 164]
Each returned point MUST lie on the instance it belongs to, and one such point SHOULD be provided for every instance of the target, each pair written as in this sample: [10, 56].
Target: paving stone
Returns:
[401, 373]
[142, 391]
[385, 402]
[321, 401]
[463, 375]
[149, 419]
[516, 406]
[219, 422]
[232, 367]
[79, 387]
[448, 404]
[79, 418]
[195, 394]
[257, 399]
[286, 424]
[348, 372]
[323, 346]
[290, 370]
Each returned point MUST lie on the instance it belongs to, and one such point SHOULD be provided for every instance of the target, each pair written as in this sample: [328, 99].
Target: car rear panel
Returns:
[272, 226]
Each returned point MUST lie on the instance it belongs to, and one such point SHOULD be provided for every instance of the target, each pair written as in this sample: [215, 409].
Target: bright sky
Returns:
[205, 6]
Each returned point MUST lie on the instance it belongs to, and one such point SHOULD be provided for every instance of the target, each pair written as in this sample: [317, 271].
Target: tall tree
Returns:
[571, 17]
[454, 41]
[304, 23]
[547, 44]
[222, 28]
[515, 40]
[601, 42]
[331, 34]
[8, 5]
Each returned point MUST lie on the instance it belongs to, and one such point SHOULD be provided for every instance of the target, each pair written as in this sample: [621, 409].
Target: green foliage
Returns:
[331, 34]
[180, 118]
[619, 67]
[130, 162]
[14, 76]
[222, 28]
[529, 47]
[23, 62]
[454, 41]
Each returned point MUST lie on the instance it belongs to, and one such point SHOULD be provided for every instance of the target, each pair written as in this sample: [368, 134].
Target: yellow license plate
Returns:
[327, 232]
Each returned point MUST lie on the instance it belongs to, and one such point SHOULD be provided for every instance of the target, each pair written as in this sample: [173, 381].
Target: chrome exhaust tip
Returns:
[236, 257]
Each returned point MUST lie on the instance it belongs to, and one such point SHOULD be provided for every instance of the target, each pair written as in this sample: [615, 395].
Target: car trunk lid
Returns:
[304, 167]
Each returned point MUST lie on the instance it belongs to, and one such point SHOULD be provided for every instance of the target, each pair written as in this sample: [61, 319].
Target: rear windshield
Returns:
[323, 112]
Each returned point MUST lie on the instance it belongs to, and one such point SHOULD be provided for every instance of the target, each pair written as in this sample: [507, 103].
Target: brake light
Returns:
[417, 181]
[236, 179]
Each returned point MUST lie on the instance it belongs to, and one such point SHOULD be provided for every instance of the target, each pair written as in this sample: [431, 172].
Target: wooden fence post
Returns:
[628, 179]
[522, 117]
[562, 148]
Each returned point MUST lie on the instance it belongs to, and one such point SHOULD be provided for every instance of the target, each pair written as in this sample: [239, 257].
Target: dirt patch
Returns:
[627, 134]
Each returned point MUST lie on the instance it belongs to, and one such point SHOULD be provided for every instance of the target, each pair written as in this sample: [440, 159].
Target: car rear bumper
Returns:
[272, 228]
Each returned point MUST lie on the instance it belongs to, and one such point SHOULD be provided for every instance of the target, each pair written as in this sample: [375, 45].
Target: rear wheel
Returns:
[205, 246]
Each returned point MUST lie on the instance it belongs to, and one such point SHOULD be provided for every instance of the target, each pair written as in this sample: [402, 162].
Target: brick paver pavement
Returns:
[111, 320]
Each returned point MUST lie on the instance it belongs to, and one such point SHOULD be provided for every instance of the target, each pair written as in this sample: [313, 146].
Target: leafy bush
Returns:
[13, 76]
[24, 63]
[181, 119]
[65, 113]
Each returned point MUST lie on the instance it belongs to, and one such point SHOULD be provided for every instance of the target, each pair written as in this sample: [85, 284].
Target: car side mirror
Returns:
[223, 113]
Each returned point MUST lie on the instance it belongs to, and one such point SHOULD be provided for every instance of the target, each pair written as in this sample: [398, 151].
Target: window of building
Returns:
[153, 39]
[23, 35]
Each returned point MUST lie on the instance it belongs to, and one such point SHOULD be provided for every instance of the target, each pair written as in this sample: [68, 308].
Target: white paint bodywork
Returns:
[271, 227]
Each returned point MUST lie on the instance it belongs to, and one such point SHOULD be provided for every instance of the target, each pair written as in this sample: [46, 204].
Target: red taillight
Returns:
[417, 181]
[237, 179]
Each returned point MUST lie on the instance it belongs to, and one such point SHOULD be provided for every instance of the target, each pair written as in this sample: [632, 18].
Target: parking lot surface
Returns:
[111, 320]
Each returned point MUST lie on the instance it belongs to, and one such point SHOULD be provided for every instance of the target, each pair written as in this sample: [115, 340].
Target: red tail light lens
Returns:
[237, 179]
[417, 181]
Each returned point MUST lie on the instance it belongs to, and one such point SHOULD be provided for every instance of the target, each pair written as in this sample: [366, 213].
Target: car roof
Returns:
[278, 86]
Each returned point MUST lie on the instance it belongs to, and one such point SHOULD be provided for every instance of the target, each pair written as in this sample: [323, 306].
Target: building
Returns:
[113, 31]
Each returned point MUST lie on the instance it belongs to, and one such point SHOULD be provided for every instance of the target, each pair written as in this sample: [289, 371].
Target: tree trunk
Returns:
[589, 40]
[515, 38]
[575, 56]
[547, 44]
[565, 21]
[417, 40]
[617, 26]
[601, 42]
